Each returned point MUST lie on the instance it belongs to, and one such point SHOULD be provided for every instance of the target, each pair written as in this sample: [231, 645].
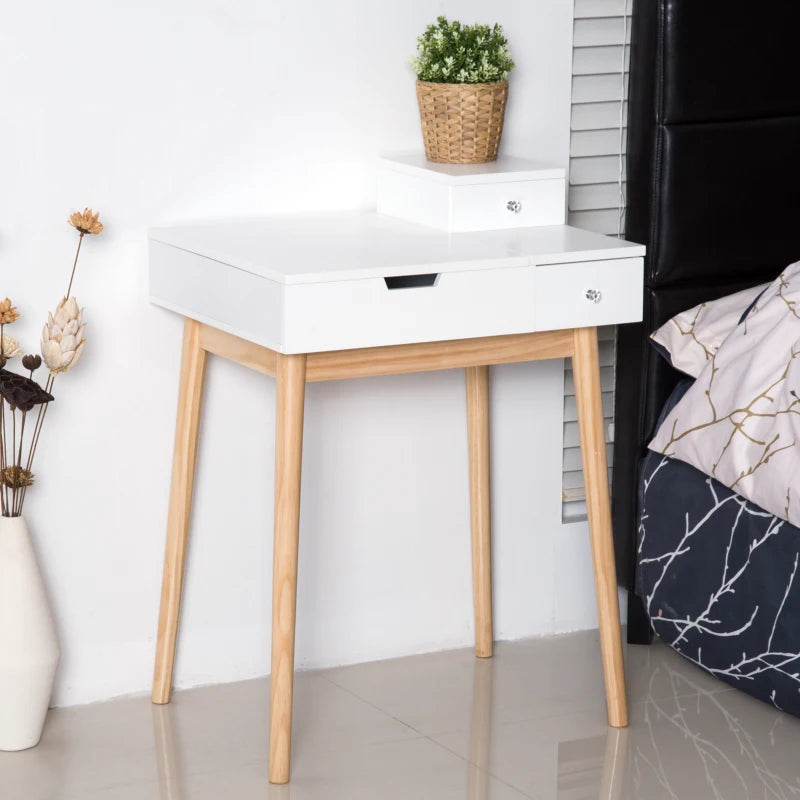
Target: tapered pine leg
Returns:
[187, 428]
[480, 506]
[586, 368]
[291, 377]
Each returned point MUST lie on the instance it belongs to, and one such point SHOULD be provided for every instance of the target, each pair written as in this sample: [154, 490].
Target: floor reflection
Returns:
[690, 738]
[720, 744]
[686, 742]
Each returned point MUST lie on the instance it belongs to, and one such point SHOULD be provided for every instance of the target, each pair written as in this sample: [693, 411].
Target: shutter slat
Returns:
[573, 458]
[573, 483]
[598, 195]
[571, 411]
[572, 436]
[599, 60]
[604, 221]
[588, 9]
[598, 169]
[599, 88]
[596, 143]
[574, 509]
[598, 116]
[601, 31]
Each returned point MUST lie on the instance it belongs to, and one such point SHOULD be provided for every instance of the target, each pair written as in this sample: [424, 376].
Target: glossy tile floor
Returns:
[529, 723]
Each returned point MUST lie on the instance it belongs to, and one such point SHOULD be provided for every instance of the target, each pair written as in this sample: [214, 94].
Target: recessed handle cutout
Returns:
[411, 281]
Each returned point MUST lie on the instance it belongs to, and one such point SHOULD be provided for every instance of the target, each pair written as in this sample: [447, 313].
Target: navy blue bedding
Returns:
[718, 577]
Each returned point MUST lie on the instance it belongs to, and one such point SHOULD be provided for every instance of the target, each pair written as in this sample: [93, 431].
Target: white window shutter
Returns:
[600, 58]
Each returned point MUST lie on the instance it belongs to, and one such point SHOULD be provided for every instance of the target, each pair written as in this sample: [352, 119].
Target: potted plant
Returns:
[462, 89]
[29, 650]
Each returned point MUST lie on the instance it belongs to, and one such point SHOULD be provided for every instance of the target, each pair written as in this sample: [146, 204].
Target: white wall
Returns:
[160, 111]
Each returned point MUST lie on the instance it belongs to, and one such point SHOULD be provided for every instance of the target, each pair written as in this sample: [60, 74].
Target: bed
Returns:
[713, 190]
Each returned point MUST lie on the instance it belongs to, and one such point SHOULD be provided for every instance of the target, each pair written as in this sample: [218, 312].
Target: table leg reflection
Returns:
[596, 766]
[167, 751]
[480, 732]
[170, 766]
[615, 765]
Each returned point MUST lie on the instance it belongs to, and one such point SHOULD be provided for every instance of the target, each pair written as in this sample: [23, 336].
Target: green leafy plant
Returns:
[449, 52]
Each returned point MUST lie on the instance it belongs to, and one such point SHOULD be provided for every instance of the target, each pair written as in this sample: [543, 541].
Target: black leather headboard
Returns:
[713, 188]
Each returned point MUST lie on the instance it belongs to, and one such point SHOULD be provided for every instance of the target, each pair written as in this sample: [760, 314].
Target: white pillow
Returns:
[692, 337]
[739, 422]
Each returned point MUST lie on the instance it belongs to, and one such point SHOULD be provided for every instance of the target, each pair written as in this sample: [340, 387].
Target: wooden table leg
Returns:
[184, 456]
[480, 506]
[586, 368]
[290, 396]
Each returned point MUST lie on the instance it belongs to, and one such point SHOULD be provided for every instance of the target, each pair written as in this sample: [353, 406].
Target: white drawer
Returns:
[508, 193]
[516, 204]
[577, 295]
[367, 313]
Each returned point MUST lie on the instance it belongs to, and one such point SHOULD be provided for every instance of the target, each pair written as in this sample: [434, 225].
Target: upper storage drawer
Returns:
[507, 193]
[588, 293]
[516, 204]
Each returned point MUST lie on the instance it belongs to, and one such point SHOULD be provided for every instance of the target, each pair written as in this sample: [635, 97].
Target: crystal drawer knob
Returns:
[514, 205]
[594, 295]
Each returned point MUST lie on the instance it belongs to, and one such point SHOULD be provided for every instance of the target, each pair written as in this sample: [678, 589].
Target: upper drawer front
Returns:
[514, 204]
[588, 293]
[367, 313]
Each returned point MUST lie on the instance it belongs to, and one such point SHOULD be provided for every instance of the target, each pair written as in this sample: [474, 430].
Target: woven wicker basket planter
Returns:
[462, 122]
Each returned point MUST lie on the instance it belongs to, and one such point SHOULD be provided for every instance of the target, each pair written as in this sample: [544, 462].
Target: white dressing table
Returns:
[345, 295]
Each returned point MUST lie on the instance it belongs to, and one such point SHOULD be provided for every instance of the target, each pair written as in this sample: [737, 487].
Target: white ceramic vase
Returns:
[29, 650]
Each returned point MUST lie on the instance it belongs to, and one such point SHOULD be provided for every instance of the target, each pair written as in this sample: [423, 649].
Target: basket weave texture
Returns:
[462, 122]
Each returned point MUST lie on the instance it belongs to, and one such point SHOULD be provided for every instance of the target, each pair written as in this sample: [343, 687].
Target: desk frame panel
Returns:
[292, 372]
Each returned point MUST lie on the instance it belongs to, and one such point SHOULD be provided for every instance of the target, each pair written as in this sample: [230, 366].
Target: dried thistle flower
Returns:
[86, 221]
[62, 337]
[8, 313]
[17, 478]
[32, 362]
[10, 346]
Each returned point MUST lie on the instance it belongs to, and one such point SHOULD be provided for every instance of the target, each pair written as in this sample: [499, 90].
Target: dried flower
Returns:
[21, 392]
[17, 478]
[86, 221]
[10, 346]
[62, 337]
[8, 313]
[32, 362]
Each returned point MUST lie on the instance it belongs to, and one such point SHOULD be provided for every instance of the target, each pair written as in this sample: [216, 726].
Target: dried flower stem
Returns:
[17, 504]
[13, 442]
[37, 430]
[3, 492]
[74, 265]
[3, 460]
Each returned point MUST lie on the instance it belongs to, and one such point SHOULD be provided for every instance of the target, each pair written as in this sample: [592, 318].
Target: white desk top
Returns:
[351, 245]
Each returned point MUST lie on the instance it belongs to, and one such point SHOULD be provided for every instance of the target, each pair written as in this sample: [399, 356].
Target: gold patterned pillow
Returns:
[692, 337]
